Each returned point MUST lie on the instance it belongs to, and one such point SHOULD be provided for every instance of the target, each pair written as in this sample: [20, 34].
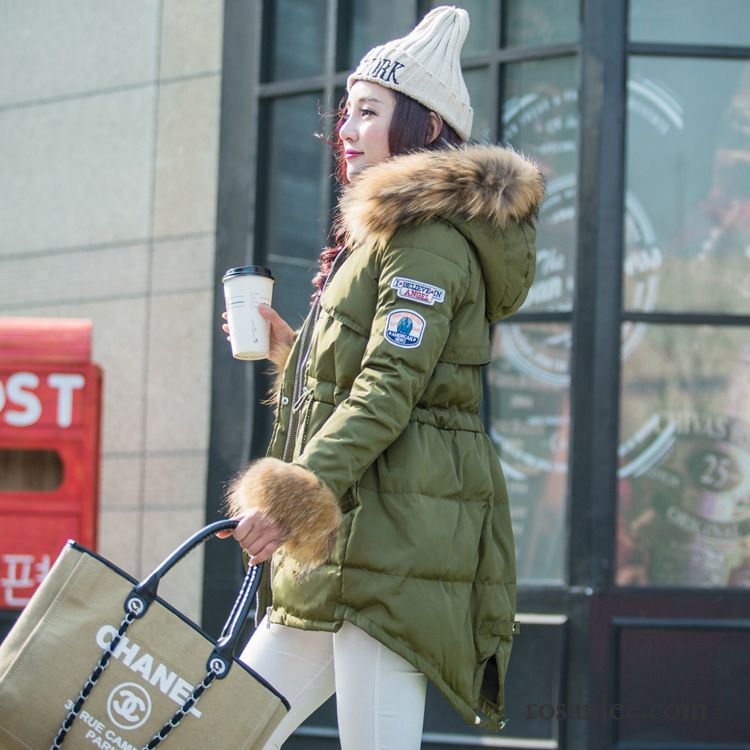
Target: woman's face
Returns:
[364, 132]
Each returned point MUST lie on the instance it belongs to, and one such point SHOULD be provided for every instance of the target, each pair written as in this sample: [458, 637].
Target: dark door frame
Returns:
[596, 609]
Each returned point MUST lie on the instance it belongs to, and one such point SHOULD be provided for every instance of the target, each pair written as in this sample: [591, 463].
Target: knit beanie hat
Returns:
[425, 65]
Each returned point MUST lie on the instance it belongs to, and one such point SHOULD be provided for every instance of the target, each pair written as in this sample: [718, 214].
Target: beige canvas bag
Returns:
[97, 660]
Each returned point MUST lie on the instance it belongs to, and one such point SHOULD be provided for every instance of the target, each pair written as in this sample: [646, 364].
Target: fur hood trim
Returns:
[489, 182]
[296, 500]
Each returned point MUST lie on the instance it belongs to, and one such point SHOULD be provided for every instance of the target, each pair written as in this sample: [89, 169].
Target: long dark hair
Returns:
[409, 131]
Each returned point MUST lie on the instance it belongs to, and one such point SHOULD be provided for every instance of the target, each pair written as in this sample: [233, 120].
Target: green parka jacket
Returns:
[378, 411]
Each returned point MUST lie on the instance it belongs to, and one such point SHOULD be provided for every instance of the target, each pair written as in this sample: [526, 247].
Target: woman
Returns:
[382, 499]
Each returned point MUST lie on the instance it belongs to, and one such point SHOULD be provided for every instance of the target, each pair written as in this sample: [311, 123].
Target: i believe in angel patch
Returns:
[405, 328]
[417, 291]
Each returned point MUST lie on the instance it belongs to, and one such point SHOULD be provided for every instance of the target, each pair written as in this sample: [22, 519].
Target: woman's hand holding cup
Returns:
[245, 289]
[281, 333]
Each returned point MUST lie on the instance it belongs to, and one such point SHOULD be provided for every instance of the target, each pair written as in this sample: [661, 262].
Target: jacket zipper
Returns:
[299, 392]
[296, 394]
[306, 342]
[306, 425]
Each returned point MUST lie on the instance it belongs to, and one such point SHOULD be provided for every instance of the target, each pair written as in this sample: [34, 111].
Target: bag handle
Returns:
[144, 593]
[136, 605]
[147, 589]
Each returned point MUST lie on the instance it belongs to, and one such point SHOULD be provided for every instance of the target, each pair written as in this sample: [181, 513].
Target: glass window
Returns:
[687, 205]
[532, 22]
[529, 398]
[684, 477]
[481, 17]
[540, 119]
[364, 24]
[691, 21]
[293, 161]
[295, 35]
[478, 84]
[292, 288]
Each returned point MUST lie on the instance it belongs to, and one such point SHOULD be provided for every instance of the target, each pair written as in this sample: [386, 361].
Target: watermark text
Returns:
[617, 712]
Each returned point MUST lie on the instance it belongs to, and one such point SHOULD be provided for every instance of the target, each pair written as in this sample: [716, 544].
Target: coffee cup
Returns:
[245, 288]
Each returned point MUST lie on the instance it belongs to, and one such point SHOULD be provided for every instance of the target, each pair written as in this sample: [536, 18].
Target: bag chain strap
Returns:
[91, 681]
[161, 735]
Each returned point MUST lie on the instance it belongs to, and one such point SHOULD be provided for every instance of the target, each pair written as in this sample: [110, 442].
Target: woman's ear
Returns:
[435, 127]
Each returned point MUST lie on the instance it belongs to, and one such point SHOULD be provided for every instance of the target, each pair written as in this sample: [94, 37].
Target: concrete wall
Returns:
[109, 125]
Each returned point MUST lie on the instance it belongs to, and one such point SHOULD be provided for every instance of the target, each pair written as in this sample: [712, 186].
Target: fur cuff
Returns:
[294, 498]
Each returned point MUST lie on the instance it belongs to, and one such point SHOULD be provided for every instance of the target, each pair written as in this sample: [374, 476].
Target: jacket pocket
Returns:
[350, 499]
[302, 408]
[281, 417]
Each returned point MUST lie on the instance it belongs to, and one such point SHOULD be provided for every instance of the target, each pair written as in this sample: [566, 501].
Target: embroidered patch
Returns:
[405, 328]
[418, 291]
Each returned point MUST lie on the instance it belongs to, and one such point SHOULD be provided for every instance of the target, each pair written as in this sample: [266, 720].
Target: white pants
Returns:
[380, 697]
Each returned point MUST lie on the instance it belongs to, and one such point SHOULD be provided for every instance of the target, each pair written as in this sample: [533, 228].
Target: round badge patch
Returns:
[405, 328]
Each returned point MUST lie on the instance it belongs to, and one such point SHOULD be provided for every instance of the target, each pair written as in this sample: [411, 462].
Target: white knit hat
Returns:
[426, 66]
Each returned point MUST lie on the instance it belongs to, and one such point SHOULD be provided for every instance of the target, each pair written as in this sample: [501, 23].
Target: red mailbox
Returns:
[50, 397]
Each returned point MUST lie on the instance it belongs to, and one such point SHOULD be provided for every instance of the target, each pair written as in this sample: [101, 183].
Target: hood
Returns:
[487, 192]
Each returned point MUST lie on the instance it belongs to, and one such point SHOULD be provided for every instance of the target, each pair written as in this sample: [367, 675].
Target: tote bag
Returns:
[98, 660]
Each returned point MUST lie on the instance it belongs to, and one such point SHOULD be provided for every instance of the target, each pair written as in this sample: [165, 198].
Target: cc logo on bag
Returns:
[129, 706]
